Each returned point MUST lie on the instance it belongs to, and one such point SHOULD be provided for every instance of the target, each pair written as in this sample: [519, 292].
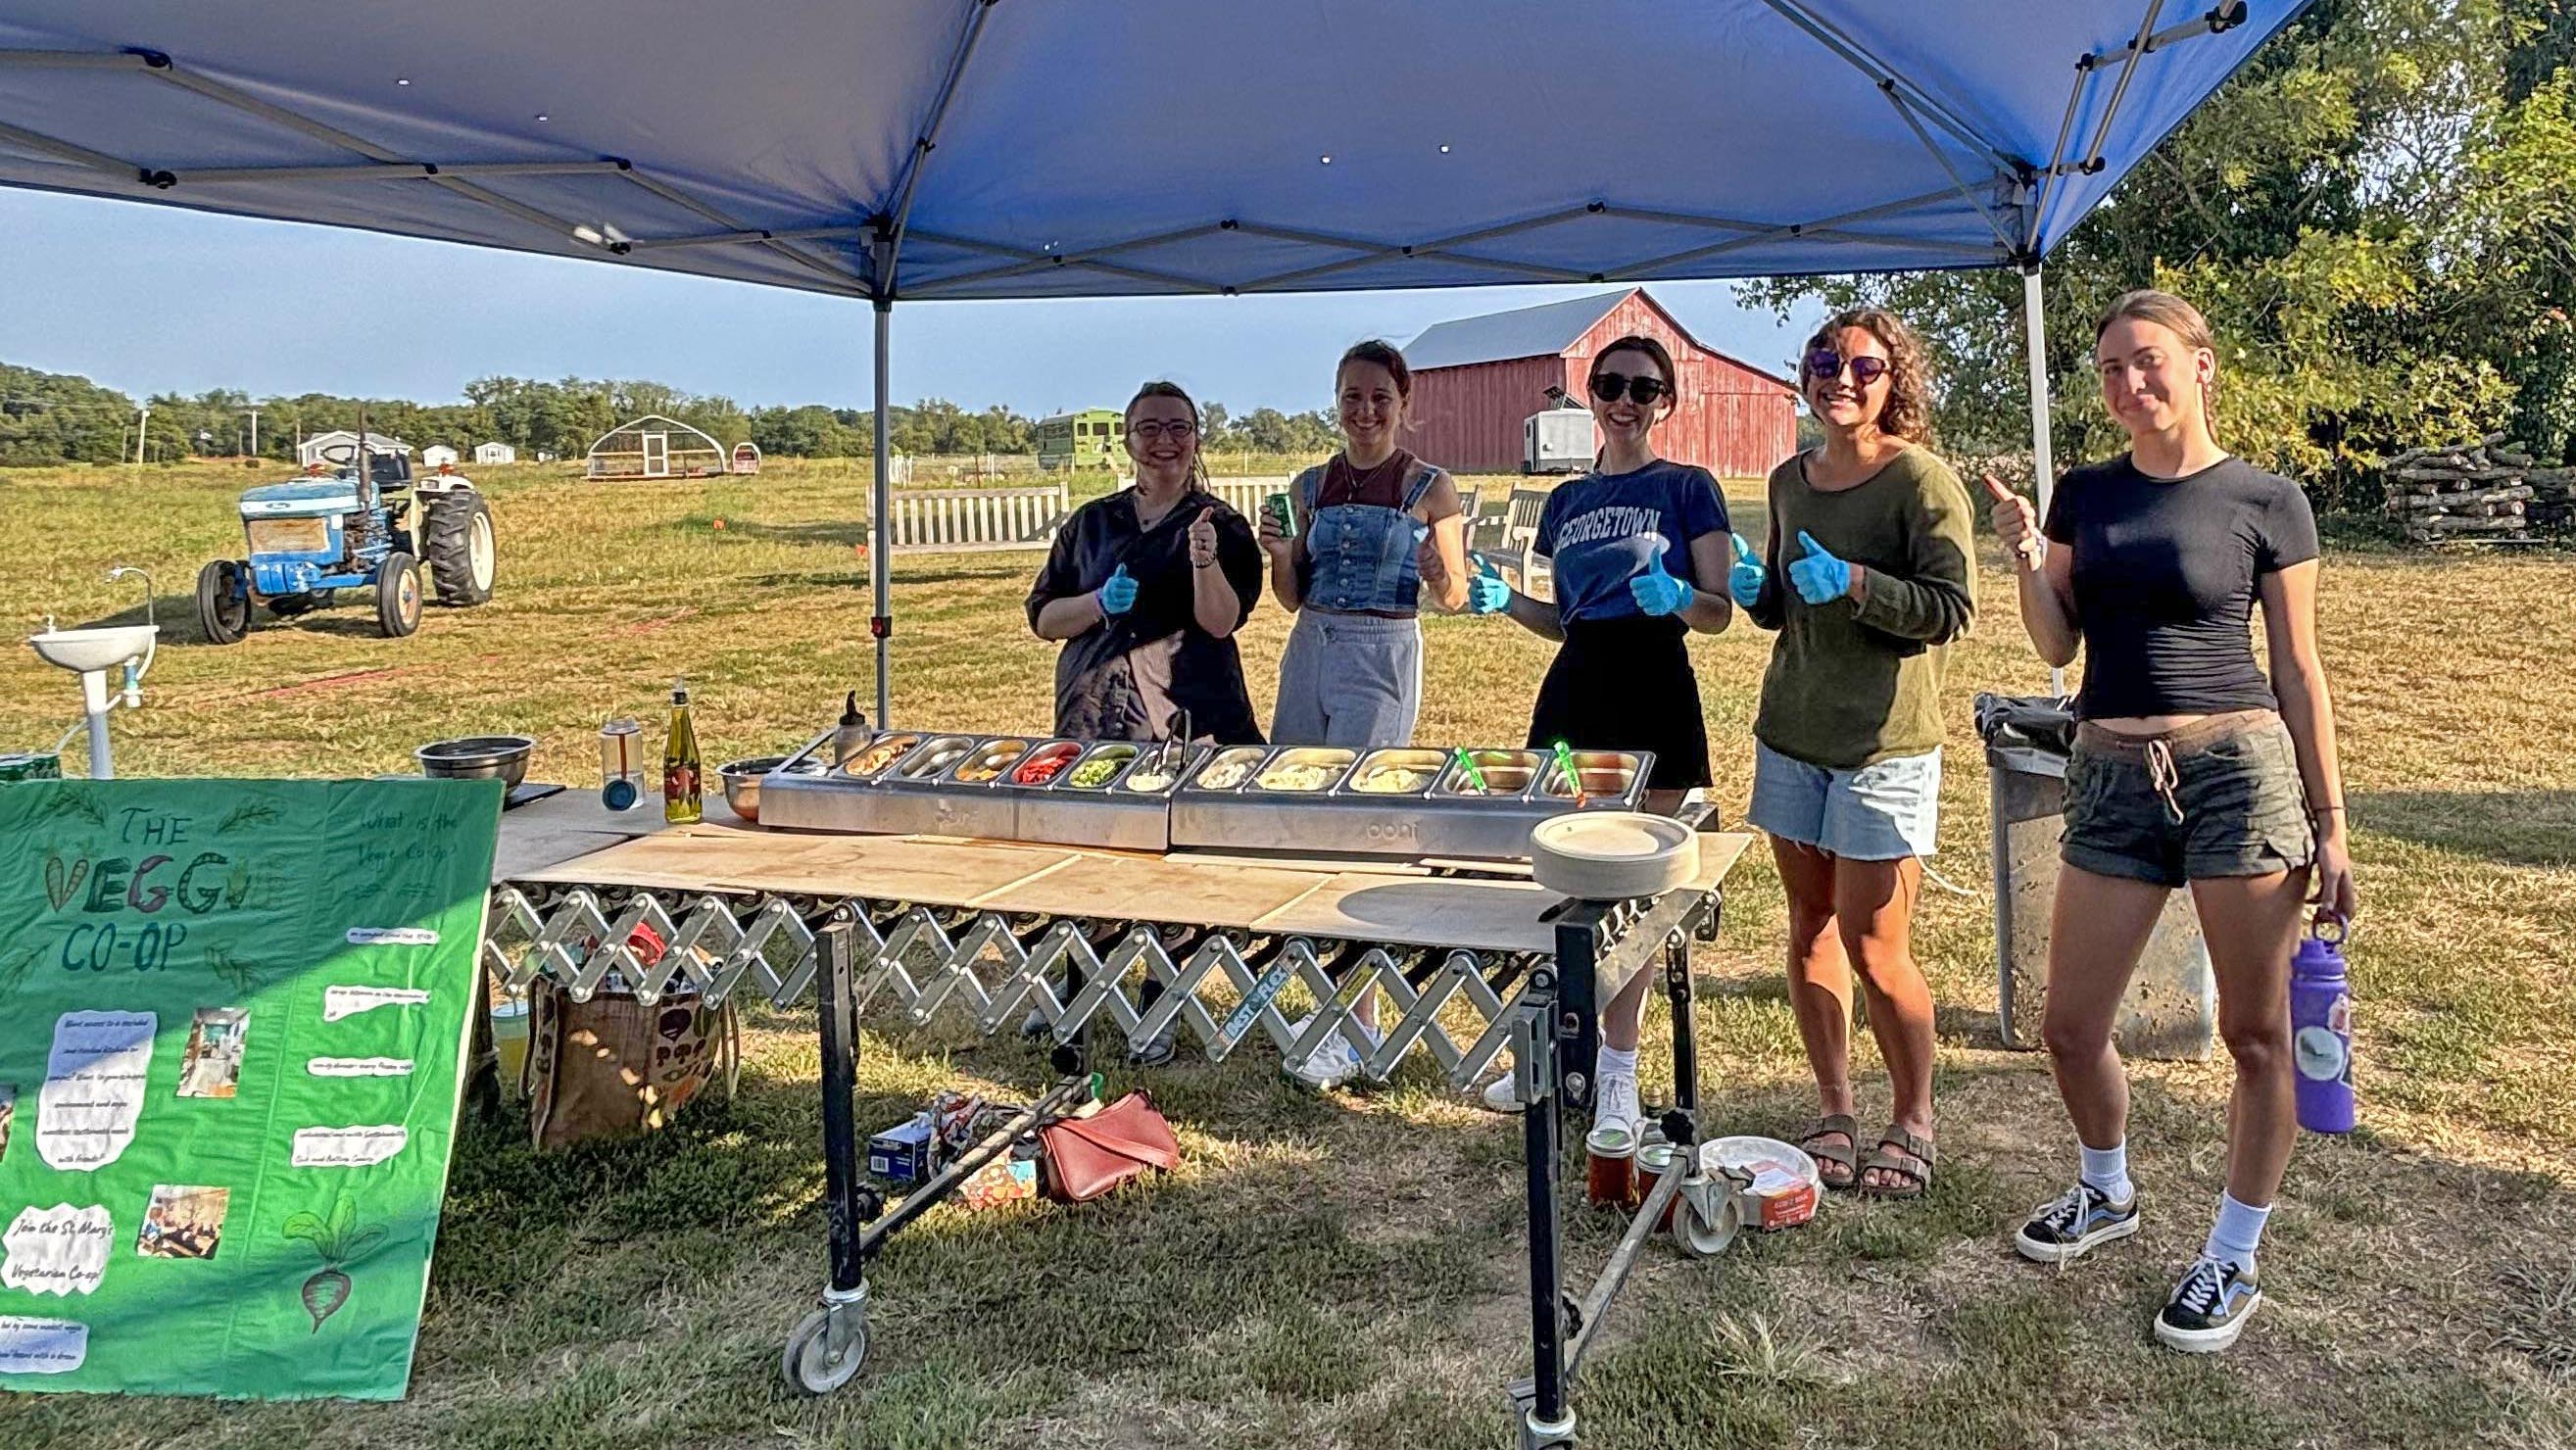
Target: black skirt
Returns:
[1626, 684]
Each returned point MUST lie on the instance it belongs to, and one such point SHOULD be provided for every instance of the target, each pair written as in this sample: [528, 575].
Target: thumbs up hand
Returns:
[1656, 592]
[1118, 595]
[1819, 578]
[1744, 582]
[1487, 593]
[1202, 538]
[2016, 523]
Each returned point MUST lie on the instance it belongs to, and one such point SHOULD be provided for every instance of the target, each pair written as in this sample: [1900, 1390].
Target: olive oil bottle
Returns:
[683, 801]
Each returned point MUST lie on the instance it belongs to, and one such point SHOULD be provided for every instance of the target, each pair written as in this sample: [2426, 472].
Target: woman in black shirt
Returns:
[1146, 588]
[2190, 769]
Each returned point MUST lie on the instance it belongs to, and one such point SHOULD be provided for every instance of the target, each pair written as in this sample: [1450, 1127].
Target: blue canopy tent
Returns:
[890, 149]
[887, 149]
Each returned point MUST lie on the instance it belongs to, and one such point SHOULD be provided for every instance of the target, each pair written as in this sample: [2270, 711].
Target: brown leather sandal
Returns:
[1830, 1156]
[1918, 1171]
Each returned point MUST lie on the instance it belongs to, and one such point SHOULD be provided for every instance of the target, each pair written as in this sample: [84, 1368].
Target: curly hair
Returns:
[1908, 412]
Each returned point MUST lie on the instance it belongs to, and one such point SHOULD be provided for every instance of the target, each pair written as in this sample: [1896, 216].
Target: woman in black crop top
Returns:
[2191, 768]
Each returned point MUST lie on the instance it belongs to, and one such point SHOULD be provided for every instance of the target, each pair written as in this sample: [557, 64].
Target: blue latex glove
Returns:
[1819, 578]
[1744, 582]
[1119, 594]
[1487, 593]
[1656, 592]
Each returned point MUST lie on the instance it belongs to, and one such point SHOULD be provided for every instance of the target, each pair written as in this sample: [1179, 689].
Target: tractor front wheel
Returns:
[223, 602]
[398, 595]
[460, 547]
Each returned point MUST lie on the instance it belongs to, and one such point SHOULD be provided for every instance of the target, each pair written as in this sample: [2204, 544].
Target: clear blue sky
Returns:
[155, 299]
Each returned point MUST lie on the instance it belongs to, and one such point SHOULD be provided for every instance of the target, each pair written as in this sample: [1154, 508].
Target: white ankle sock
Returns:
[2238, 1232]
[2107, 1169]
[1614, 1063]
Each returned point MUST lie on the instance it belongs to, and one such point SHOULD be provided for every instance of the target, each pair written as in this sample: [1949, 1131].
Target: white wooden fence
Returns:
[976, 520]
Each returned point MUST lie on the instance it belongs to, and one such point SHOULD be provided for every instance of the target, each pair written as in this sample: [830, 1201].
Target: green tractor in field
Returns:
[353, 527]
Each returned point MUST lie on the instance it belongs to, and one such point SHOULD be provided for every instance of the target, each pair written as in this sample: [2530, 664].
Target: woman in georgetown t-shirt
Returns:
[2190, 769]
[1638, 551]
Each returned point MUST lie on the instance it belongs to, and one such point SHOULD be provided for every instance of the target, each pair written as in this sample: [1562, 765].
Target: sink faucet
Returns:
[133, 683]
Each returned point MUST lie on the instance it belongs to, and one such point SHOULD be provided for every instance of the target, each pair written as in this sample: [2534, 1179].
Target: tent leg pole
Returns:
[2034, 314]
[880, 537]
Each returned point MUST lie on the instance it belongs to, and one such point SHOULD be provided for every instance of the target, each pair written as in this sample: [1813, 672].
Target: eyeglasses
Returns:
[1825, 363]
[1611, 387]
[1149, 430]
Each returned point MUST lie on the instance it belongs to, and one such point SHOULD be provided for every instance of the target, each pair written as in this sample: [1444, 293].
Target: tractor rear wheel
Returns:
[223, 602]
[460, 547]
[398, 595]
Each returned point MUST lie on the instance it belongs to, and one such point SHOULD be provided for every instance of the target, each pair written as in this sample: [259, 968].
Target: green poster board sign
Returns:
[233, 1024]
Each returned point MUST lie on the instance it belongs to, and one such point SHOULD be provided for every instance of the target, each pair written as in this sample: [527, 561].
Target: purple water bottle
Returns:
[2321, 1030]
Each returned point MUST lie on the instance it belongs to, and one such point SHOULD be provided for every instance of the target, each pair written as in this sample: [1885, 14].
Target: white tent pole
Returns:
[2034, 315]
[880, 530]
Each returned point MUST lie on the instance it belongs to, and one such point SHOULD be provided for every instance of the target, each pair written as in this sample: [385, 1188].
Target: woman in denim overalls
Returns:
[1373, 525]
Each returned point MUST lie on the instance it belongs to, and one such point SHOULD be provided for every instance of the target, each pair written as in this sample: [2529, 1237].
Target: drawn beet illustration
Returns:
[337, 1239]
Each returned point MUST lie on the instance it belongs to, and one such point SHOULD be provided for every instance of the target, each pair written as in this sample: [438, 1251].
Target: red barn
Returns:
[1476, 379]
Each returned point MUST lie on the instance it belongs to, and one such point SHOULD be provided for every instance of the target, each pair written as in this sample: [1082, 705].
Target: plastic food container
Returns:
[1506, 773]
[1785, 1180]
[1100, 767]
[1398, 772]
[1607, 774]
[882, 752]
[1305, 770]
[989, 760]
[935, 756]
[1046, 763]
[1230, 768]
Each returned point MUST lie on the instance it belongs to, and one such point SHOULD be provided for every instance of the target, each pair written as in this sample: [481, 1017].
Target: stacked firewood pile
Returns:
[2481, 493]
[2553, 499]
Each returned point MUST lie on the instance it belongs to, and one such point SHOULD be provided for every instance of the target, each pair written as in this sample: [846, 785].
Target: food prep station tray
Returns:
[991, 787]
[1242, 800]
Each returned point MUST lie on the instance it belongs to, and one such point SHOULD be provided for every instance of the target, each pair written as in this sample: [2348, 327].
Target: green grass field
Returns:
[1343, 1271]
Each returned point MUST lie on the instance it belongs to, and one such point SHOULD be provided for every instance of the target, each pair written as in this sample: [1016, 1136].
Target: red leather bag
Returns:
[1087, 1157]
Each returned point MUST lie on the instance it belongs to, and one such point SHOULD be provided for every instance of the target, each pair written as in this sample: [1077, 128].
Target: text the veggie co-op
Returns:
[156, 874]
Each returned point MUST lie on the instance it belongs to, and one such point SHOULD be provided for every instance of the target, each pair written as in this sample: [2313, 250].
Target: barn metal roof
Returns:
[1026, 148]
[1541, 331]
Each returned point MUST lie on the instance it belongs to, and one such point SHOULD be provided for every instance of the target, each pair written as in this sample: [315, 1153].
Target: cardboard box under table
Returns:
[1115, 949]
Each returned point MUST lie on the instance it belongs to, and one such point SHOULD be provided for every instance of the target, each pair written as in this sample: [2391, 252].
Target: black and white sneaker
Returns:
[2209, 1307]
[2080, 1221]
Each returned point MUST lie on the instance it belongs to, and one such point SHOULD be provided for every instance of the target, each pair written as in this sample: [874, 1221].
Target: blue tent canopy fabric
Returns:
[1048, 148]
[887, 149]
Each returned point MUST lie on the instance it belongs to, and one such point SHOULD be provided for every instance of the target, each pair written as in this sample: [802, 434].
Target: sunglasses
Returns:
[1611, 387]
[1825, 363]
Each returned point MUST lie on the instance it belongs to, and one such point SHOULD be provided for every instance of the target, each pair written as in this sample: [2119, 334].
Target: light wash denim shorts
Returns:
[1881, 812]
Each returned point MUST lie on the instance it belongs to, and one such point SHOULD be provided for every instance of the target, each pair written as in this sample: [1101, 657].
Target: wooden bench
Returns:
[1508, 540]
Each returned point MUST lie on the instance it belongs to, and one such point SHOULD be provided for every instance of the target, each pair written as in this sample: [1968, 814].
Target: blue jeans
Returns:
[1882, 812]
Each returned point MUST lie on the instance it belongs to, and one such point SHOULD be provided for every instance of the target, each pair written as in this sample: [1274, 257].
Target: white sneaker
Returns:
[1331, 1064]
[1615, 1101]
[1502, 1094]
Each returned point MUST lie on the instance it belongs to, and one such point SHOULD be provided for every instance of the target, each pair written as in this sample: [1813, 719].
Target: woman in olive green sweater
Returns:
[1869, 572]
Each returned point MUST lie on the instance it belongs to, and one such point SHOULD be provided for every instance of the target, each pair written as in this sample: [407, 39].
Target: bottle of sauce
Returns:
[682, 797]
[851, 734]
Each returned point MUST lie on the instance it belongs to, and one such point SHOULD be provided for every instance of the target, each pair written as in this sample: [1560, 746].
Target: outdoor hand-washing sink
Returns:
[88, 650]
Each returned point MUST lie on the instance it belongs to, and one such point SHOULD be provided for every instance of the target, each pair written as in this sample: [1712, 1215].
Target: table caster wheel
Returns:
[1706, 1218]
[827, 1349]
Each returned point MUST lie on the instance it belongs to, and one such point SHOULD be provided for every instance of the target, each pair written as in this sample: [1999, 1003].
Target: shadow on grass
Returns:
[2515, 828]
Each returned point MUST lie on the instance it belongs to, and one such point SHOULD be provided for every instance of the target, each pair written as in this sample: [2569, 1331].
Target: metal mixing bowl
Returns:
[478, 757]
[742, 783]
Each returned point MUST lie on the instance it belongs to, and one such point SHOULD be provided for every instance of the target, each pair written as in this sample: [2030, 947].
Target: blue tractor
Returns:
[344, 526]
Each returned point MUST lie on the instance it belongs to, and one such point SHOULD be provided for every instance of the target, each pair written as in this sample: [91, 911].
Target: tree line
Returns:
[2378, 216]
[53, 418]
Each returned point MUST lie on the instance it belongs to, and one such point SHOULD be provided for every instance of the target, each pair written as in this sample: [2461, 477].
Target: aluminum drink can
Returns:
[1282, 512]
